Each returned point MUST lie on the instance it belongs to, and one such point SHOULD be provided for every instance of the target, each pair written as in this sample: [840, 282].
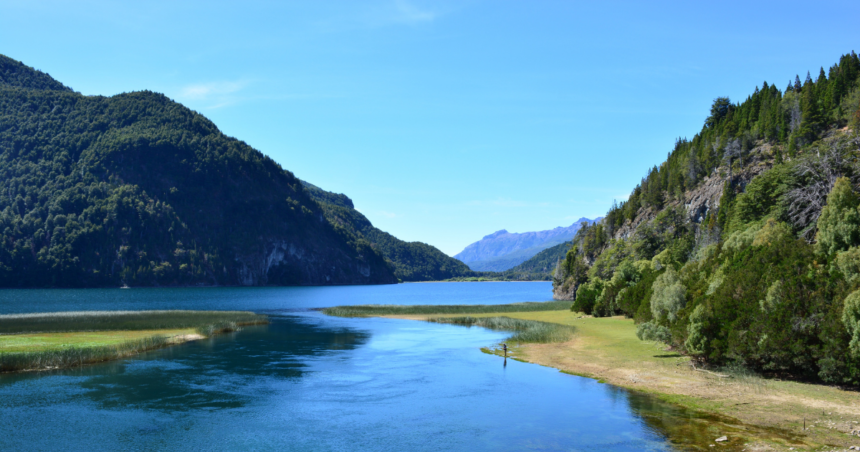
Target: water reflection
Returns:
[314, 383]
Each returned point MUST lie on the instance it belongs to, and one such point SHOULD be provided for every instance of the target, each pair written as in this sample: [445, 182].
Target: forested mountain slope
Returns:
[137, 189]
[743, 248]
[544, 262]
[411, 261]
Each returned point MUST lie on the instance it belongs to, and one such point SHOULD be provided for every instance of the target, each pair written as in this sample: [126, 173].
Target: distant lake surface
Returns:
[312, 382]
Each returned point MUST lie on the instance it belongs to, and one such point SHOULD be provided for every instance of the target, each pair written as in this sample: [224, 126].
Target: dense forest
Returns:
[137, 189]
[743, 247]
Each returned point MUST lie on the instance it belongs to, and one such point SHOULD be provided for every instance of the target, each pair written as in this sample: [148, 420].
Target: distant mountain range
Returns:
[503, 250]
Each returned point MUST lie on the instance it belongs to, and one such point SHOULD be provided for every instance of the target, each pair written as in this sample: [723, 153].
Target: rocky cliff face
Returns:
[697, 203]
[283, 262]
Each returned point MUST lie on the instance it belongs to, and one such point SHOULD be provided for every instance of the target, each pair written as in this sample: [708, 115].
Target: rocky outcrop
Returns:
[282, 262]
[563, 292]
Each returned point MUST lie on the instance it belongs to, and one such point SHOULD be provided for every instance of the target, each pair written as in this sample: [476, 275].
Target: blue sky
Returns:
[443, 121]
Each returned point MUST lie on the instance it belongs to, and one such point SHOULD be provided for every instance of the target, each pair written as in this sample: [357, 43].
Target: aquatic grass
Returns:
[220, 327]
[391, 309]
[78, 356]
[39, 342]
[525, 331]
[49, 322]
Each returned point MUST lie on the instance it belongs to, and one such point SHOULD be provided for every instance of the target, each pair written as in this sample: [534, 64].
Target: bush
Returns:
[649, 331]
[668, 296]
[848, 263]
[839, 223]
[697, 337]
[772, 312]
[630, 299]
[851, 319]
[586, 296]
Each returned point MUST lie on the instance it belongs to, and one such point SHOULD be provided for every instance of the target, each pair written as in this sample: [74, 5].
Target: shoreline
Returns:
[170, 341]
[758, 414]
[56, 340]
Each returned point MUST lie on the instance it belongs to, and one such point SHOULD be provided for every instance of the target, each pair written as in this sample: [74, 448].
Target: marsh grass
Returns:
[741, 377]
[525, 331]
[77, 356]
[206, 323]
[55, 322]
[385, 309]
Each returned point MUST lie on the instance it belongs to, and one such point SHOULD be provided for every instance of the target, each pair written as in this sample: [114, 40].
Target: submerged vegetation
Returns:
[743, 248]
[525, 331]
[381, 309]
[43, 350]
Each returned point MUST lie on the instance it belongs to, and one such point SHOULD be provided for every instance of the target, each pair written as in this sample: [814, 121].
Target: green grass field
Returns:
[58, 341]
[65, 339]
[51, 322]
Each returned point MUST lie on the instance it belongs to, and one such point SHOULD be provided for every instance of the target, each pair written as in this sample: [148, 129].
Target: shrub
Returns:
[631, 298]
[697, 338]
[839, 223]
[649, 331]
[848, 263]
[586, 296]
[851, 319]
[668, 296]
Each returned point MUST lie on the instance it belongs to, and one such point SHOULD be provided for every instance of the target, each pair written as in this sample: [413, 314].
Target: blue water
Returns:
[312, 382]
[263, 299]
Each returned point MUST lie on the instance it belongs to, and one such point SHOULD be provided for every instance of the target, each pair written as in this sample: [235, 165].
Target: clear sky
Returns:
[443, 121]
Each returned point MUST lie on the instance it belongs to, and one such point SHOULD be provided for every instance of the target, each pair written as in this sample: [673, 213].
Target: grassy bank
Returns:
[78, 356]
[385, 309]
[525, 331]
[66, 339]
[49, 322]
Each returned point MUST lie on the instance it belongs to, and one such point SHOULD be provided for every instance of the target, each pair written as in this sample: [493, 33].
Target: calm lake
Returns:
[312, 382]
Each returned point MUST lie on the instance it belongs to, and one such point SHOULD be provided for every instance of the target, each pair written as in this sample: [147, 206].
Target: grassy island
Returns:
[754, 412]
[57, 340]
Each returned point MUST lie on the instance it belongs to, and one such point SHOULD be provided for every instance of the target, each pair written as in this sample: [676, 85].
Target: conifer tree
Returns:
[839, 223]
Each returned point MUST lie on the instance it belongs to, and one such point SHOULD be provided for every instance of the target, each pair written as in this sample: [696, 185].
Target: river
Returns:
[313, 382]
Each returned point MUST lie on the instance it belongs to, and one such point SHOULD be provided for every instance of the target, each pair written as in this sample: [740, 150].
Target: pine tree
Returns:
[839, 223]
[797, 85]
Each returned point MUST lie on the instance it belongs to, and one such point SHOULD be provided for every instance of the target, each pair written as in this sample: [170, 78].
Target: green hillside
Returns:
[743, 248]
[411, 261]
[544, 262]
[137, 189]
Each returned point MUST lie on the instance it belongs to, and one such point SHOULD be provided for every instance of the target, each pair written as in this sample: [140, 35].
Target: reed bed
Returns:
[77, 356]
[525, 331]
[63, 322]
[391, 309]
